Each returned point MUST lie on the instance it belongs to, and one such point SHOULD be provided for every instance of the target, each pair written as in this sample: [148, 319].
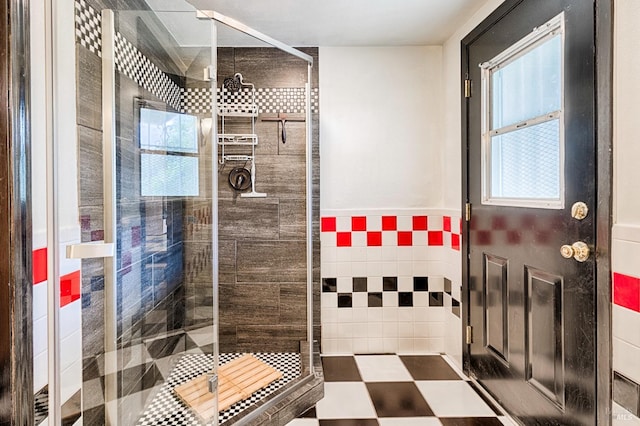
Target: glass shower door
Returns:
[145, 184]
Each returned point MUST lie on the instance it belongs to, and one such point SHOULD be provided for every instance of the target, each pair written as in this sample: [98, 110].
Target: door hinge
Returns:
[467, 88]
[469, 336]
[467, 212]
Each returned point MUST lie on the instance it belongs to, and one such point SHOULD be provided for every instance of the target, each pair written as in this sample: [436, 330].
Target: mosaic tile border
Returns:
[364, 293]
[135, 65]
[391, 230]
[194, 100]
[270, 100]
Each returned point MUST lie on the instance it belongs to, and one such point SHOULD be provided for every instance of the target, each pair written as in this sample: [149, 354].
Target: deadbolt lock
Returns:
[578, 250]
[579, 210]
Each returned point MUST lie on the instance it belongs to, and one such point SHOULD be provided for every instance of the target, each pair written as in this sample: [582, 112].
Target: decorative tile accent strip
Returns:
[39, 261]
[41, 405]
[270, 100]
[626, 291]
[194, 100]
[129, 60]
[88, 27]
[421, 231]
[69, 288]
[69, 283]
[132, 63]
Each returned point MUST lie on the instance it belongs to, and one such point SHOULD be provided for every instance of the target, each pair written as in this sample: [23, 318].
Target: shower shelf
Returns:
[237, 139]
[238, 110]
[239, 101]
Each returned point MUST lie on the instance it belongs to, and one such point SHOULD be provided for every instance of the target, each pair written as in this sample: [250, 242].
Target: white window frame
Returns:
[554, 27]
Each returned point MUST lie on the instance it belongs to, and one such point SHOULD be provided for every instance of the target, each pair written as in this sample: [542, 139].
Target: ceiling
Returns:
[323, 22]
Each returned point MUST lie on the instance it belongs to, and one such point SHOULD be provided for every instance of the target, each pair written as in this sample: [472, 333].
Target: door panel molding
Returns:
[545, 334]
[496, 307]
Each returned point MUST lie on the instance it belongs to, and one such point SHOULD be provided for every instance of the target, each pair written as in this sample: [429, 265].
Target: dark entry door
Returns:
[531, 157]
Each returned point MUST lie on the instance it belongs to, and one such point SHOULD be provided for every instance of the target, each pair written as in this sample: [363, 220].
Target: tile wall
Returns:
[626, 317]
[391, 281]
[262, 246]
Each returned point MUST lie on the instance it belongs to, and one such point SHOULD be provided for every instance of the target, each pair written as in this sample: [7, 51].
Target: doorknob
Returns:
[578, 250]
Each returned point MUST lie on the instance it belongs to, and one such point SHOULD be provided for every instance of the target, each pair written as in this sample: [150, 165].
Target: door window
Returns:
[522, 116]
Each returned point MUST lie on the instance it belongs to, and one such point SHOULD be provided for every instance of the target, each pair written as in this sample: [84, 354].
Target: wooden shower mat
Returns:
[237, 380]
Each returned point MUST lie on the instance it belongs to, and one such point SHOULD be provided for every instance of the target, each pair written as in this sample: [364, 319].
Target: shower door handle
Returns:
[95, 249]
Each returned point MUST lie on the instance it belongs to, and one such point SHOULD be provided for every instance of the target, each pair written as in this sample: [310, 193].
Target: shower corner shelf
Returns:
[236, 105]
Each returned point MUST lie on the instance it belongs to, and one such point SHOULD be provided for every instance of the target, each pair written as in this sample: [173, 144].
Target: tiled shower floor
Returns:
[166, 409]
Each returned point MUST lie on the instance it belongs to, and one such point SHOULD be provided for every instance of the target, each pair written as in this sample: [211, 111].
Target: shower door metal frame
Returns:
[239, 26]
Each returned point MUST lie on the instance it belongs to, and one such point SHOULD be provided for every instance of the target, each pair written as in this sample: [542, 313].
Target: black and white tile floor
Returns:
[397, 390]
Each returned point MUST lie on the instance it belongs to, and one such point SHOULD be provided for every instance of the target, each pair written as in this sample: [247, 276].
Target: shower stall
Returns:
[197, 197]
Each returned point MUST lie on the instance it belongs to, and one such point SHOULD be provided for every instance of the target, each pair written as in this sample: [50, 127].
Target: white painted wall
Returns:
[452, 173]
[381, 127]
[626, 123]
[626, 204]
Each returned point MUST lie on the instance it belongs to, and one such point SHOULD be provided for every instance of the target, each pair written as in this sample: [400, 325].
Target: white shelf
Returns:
[238, 157]
[238, 110]
[231, 139]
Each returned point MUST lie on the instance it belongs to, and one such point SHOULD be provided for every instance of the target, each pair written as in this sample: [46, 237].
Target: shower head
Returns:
[233, 84]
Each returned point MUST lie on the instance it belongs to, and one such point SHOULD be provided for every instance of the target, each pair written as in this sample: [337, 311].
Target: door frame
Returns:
[604, 182]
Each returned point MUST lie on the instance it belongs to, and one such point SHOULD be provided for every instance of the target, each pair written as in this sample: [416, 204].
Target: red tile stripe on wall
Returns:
[69, 283]
[626, 291]
[435, 237]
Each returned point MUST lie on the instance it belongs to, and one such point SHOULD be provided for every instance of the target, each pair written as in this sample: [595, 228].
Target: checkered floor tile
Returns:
[399, 391]
[166, 408]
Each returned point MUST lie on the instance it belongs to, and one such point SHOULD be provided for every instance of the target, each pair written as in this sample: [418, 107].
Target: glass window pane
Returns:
[528, 87]
[168, 131]
[525, 163]
[169, 175]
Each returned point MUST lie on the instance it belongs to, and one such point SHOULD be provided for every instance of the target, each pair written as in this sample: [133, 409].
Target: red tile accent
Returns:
[85, 223]
[69, 288]
[344, 239]
[97, 235]
[359, 223]
[419, 223]
[435, 238]
[136, 236]
[405, 238]
[389, 223]
[626, 291]
[328, 224]
[446, 223]
[374, 239]
[39, 261]
[455, 241]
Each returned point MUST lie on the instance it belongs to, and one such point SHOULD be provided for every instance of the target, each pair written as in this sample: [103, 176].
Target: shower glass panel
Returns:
[203, 280]
[148, 326]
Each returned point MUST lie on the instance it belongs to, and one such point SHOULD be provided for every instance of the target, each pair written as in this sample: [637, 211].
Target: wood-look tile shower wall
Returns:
[263, 240]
